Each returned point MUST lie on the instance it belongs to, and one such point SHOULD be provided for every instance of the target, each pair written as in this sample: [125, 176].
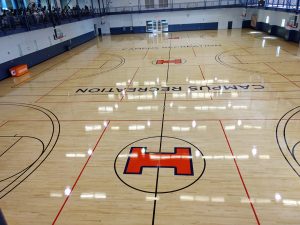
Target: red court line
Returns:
[56, 86]
[170, 84]
[155, 120]
[241, 177]
[83, 168]
[130, 82]
[201, 72]
[175, 100]
[50, 67]
[74, 185]
[240, 62]
[211, 98]
[146, 54]
[194, 52]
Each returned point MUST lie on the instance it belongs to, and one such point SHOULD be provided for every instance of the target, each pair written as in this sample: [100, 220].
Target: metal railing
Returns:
[285, 4]
[13, 22]
[170, 6]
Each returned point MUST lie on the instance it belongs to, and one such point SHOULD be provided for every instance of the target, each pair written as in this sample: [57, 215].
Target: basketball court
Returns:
[175, 128]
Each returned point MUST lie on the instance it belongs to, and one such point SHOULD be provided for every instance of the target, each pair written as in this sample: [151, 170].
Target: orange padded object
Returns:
[19, 70]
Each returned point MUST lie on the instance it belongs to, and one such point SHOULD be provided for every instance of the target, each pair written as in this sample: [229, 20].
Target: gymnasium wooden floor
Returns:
[179, 128]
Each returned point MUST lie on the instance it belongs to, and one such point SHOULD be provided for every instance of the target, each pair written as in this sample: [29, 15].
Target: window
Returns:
[3, 4]
[283, 22]
[149, 4]
[153, 26]
[163, 3]
[267, 19]
[289, 4]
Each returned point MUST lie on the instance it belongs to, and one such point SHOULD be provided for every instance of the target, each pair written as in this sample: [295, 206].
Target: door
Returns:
[229, 25]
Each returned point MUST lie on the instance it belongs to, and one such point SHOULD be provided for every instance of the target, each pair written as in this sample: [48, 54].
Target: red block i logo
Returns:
[172, 163]
[180, 160]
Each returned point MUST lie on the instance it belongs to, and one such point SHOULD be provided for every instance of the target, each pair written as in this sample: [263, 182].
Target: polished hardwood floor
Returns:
[176, 128]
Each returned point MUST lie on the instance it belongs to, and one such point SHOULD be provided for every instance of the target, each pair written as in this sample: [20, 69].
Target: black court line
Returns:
[173, 84]
[218, 58]
[86, 163]
[282, 134]
[10, 146]
[75, 95]
[291, 150]
[21, 172]
[21, 176]
[161, 137]
[292, 82]
[46, 69]
[172, 100]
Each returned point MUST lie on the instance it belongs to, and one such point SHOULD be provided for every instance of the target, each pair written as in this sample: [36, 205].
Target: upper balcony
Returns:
[175, 6]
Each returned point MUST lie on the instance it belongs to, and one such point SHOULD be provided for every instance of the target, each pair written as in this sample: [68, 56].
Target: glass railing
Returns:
[186, 5]
[285, 4]
[13, 22]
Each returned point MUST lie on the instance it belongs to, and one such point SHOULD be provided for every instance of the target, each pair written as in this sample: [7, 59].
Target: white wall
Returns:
[275, 16]
[120, 3]
[17, 45]
[181, 17]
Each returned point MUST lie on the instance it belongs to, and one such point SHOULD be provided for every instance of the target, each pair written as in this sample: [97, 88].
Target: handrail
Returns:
[20, 23]
[186, 5]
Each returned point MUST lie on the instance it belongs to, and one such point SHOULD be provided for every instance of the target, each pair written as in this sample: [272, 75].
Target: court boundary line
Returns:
[157, 120]
[52, 89]
[171, 84]
[5, 122]
[90, 156]
[79, 176]
[177, 100]
[239, 172]
[75, 95]
[7, 149]
[202, 73]
[161, 135]
[292, 82]
[46, 149]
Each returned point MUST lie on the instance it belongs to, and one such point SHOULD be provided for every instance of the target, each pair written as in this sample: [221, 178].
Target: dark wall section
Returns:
[127, 30]
[193, 26]
[2, 219]
[172, 28]
[44, 54]
[289, 35]
[246, 24]
[139, 29]
[277, 31]
[263, 27]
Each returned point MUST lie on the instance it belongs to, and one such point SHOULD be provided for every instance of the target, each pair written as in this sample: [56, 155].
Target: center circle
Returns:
[167, 178]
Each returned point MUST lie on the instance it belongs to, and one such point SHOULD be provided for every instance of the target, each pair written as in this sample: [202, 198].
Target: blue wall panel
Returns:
[44, 54]
[246, 24]
[140, 29]
[193, 26]
[122, 30]
[289, 35]
[172, 28]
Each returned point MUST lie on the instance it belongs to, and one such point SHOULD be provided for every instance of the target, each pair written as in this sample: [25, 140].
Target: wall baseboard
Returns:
[288, 35]
[37, 57]
[172, 28]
